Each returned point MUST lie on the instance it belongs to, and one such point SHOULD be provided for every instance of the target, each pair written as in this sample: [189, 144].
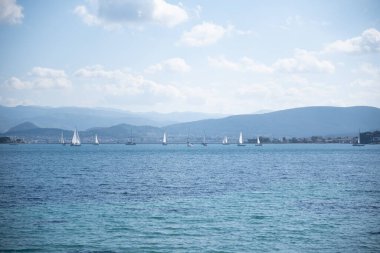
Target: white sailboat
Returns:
[358, 144]
[225, 140]
[75, 141]
[130, 141]
[188, 143]
[258, 143]
[241, 143]
[204, 143]
[96, 140]
[164, 140]
[62, 140]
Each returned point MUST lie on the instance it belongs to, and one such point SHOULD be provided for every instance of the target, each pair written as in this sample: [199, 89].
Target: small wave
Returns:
[57, 221]
[258, 217]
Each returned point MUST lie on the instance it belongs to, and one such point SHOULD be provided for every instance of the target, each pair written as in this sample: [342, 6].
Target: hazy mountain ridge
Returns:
[298, 122]
[84, 118]
[301, 122]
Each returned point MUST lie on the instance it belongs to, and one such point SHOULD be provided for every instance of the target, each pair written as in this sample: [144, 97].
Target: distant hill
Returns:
[23, 127]
[84, 118]
[118, 133]
[300, 122]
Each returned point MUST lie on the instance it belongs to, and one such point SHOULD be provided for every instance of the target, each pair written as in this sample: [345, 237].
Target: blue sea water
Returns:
[153, 198]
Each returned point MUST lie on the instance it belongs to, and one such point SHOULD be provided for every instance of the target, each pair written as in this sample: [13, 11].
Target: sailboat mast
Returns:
[164, 139]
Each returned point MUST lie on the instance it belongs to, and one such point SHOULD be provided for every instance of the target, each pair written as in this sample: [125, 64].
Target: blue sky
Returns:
[207, 56]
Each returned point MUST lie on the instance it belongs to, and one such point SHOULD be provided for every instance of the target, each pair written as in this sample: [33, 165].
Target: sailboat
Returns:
[204, 143]
[358, 144]
[75, 141]
[188, 143]
[225, 141]
[258, 143]
[62, 140]
[164, 140]
[96, 140]
[130, 141]
[241, 143]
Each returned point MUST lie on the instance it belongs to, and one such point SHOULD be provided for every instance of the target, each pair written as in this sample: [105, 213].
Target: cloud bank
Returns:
[367, 42]
[10, 12]
[172, 64]
[204, 34]
[41, 78]
[115, 14]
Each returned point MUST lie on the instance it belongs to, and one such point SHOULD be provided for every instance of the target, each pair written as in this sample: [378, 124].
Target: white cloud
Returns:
[254, 66]
[168, 14]
[16, 83]
[172, 64]
[98, 71]
[245, 64]
[47, 72]
[115, 14]
[41, 78]
[121, 82]
[10, 12]
[222, 63]
[367, 42]
[368, 69]
[304, 61]
[204, 34]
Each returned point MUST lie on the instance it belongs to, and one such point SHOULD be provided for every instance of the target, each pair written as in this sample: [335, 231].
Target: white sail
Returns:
[258, 140]
[164, 139]
[188, 143]
[204, 143]
[225, 140]
[96, 139]
[359, 138]
[62, 140]
[78, 138]
[75, 140]
[241, 138]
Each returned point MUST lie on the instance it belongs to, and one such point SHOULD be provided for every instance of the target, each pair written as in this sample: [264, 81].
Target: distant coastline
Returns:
[366, 138]
[321, 124]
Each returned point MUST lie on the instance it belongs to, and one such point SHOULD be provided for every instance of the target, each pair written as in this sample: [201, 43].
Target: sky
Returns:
[225, 56]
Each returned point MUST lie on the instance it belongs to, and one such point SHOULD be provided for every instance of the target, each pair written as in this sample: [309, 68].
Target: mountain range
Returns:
[84, 118]
[297, 122]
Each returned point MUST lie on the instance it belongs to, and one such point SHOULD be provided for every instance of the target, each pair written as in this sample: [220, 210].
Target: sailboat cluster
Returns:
[75, 141]
[204, 142]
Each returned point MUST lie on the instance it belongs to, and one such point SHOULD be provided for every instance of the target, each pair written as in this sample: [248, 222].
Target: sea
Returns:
[154, 198]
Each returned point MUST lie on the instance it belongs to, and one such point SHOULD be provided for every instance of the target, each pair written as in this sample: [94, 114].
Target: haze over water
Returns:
[292, 198]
